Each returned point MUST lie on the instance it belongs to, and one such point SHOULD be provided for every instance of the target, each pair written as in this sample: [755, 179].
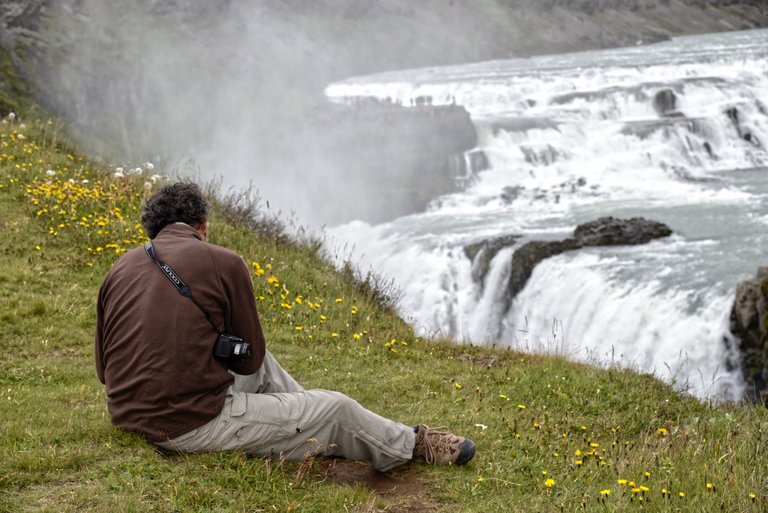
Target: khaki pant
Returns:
[269, 414]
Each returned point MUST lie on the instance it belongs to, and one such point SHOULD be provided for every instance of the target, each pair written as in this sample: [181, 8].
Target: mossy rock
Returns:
[764, 288]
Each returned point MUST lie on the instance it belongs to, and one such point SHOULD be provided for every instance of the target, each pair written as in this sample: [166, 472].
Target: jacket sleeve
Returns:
[243, 317]
[99, 346]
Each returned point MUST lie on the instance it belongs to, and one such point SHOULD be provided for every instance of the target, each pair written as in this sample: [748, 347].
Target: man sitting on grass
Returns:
[181, 352]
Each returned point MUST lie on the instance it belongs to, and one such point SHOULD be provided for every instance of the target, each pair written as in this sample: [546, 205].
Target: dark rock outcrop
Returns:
[749, 324]
[744, 132]
[609, 231]
[606, 231]
[528, 256]
[481, 254]
[665, 103]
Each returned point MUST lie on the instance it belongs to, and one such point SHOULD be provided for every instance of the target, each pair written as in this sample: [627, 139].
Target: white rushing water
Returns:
[571, 138]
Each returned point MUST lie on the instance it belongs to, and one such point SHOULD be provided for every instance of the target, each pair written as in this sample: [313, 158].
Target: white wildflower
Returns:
[149, 166]
[85, 180]
[119, 174]
[155, 178]
[147, 186]
[119, 170]
[23, 126]
[21, 137]
[481, 426]
[71, 180]
[11, 116]
[50, 172]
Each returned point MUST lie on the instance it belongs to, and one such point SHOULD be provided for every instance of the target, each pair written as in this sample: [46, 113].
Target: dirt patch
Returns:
[405, 490]
[480, 360]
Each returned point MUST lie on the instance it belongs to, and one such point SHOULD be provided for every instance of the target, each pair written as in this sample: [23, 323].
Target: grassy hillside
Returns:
[551, 435]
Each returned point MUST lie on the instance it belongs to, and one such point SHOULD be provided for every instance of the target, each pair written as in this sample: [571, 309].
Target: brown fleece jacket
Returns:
[154, 346]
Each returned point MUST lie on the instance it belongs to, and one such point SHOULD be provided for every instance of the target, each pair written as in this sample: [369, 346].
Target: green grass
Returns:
[534, 418]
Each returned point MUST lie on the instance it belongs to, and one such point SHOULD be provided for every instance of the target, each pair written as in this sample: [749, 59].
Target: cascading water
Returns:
[675, 132]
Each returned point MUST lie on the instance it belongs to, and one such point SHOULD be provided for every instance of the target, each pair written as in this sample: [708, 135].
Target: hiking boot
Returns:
[440, 448]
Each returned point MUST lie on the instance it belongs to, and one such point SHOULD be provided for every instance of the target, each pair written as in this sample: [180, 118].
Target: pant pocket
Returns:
[260, 421]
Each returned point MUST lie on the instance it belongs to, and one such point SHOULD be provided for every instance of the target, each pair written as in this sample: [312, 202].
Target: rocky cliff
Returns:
[749, 324]
[397, 159]
[606, 231]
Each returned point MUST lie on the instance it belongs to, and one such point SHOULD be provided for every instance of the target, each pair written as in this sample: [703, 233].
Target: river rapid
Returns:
[571, 138]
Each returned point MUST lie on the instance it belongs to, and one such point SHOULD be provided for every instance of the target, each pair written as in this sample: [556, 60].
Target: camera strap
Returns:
[177, 282]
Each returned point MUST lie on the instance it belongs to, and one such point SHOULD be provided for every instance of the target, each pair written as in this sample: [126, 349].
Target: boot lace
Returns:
[434, 443]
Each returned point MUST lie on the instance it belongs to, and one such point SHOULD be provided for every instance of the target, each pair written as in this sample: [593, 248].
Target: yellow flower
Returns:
[457, 385]
[681, 494]
[339, 300]
[502, 396]
[353, 310]
[578, 463]
[622, 482]
[710, 487]
[521, 406]
[549, 483]
[605, 493]
[480, 479]
[661, 431]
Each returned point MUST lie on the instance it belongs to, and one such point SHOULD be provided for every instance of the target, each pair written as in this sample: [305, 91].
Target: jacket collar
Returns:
[179, 230]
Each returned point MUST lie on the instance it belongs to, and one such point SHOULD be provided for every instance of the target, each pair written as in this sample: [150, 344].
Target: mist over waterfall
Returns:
[675, 132]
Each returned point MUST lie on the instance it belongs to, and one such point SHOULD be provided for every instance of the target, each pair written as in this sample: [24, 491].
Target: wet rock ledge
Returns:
[605, 231]
[749, 325]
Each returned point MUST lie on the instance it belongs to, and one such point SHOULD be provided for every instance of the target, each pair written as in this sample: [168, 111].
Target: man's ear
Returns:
[202, 228]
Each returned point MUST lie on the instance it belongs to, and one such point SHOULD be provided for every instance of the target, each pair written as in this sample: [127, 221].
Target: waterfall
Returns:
[676, 132]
